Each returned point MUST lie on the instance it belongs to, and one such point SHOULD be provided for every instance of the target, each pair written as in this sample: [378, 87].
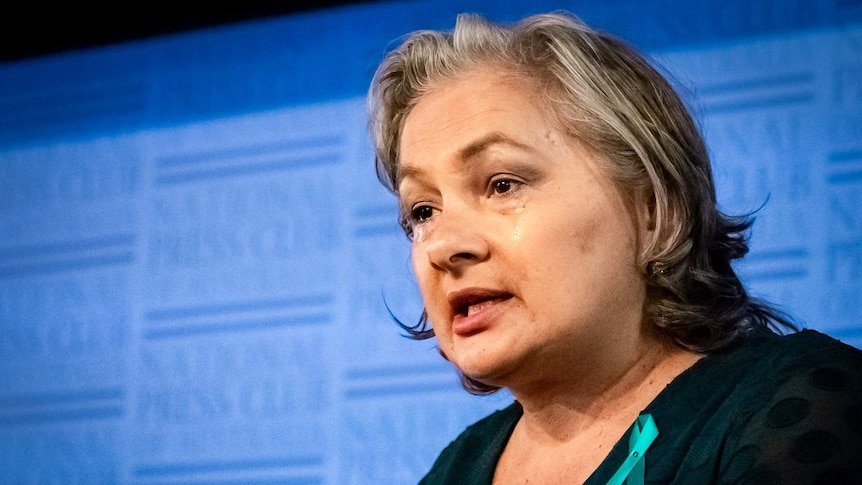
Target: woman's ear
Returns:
[645, 210]
[646, 218]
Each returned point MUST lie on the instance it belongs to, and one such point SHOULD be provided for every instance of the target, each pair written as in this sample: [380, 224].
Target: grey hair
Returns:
[609, 97]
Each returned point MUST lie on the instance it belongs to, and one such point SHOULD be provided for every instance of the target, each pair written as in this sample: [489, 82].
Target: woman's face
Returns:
[524, 250]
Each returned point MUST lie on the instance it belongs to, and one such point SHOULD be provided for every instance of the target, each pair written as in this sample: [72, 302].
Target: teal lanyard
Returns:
[644, 432]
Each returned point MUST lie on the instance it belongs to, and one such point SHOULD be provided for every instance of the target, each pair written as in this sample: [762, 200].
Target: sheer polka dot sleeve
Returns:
[809, 431]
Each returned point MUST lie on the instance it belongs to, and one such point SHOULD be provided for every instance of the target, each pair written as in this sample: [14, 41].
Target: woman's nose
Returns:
[456, 242]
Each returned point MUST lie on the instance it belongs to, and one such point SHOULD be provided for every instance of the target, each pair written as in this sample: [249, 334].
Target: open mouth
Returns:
[471, 301]
[467, 310]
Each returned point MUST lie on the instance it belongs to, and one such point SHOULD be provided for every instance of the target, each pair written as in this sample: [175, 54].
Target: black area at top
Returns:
[36, 28]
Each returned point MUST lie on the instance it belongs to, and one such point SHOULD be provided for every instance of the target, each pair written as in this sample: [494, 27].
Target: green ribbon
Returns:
[644, 432]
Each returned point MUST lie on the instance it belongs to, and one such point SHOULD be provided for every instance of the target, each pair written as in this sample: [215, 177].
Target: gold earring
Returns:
[656, 268]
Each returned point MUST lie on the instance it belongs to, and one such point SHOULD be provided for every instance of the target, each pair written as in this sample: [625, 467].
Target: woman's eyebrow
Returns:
[405, 172]
[465, 154]
[479, 145]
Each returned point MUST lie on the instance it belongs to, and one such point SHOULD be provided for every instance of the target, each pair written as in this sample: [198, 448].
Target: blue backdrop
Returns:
[194, 250]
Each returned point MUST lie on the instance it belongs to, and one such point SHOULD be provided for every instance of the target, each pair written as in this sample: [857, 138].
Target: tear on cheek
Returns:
[418, 234]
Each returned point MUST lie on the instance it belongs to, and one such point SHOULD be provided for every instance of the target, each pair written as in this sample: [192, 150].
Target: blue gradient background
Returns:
[194, 250]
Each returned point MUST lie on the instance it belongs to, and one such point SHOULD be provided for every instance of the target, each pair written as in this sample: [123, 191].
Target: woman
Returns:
[567, 246]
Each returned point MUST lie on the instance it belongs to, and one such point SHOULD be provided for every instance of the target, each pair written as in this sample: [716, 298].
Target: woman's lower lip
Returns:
[476, 322]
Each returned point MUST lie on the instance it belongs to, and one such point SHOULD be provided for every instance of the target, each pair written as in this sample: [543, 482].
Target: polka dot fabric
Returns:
[808, 430]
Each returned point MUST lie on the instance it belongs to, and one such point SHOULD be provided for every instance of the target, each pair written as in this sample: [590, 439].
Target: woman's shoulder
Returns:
[750, 369]
[768, 406]
[815, 354]
[800, 378]
[768, 375]
[812, 340]
[767, 356]
[472, 457]
[808, 426]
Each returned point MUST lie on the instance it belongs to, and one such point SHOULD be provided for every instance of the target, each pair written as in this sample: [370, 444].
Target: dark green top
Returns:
[768, 410]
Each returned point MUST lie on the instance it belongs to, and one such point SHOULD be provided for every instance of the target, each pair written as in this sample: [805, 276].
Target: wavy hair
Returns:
[608, 96]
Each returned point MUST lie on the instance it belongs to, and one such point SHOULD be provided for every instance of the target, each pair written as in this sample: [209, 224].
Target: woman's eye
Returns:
[502, 186]
[422, 213]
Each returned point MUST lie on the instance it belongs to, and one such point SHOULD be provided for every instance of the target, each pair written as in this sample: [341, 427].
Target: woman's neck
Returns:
[557, 409]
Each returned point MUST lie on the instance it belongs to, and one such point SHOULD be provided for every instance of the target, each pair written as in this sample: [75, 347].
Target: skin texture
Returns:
[515, 219]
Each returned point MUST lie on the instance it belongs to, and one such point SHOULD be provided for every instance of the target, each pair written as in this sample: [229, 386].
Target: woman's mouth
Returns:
[475, 309]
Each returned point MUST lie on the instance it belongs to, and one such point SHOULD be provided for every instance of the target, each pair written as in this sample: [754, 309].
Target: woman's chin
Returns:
[490, 371]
